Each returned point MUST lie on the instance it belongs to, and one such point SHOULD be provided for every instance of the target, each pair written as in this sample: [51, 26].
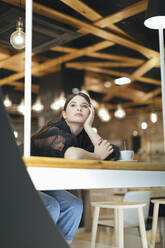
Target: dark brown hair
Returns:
[70, 97]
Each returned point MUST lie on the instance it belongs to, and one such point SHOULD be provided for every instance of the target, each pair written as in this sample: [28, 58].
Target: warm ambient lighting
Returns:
[21, 107]
[59, 103]
[155, 15]
[17, 38]
[107, 84]
[16, 134]
[120, 112]
[144, 125]
[38, 106]
[7, 102]
[104, 114]
[153, 117]
[122, 81]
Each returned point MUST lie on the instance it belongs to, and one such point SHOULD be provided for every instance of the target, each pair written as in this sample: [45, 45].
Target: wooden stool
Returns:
[119, 225]
[156, 202]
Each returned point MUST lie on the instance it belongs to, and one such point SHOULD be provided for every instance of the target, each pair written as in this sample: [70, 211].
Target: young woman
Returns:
[71, 138]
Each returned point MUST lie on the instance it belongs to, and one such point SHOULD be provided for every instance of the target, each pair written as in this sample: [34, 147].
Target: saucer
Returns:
[127, 160]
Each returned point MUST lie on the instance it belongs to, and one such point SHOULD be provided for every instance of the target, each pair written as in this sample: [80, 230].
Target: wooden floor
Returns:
[83, 238]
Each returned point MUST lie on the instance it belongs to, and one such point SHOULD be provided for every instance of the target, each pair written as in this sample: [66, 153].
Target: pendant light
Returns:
[155, 19]
[153, 117]
[21, 107]
[17, 38]
[7, 102]
[104, 114]
[120, 112]
[38, 106]
[58, 103]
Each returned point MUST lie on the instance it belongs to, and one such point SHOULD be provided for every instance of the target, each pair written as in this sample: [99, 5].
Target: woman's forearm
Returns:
[79, 153]
[94, 137]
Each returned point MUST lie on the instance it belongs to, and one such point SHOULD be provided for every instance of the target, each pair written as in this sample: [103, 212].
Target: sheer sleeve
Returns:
[51, 141]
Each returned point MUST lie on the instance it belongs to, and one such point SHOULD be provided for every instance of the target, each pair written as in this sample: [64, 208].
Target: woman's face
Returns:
[77, 110]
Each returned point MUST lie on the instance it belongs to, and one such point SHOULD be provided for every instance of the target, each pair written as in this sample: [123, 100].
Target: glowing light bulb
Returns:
[120, 113]
[21, 107]
[153, 117]
[104, 114]
[144, 125]
[38, 106]
[7, 102]
[17, 38]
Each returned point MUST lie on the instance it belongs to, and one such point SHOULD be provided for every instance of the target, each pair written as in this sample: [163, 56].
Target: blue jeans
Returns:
[65, 210]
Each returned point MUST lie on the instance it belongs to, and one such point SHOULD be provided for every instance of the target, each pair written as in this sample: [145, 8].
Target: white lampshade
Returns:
[122, 81]
[155, 14]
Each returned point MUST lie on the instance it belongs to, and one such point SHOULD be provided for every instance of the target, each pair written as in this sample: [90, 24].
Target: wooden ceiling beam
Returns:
[92, 15]
[115, 38]
[105, 64]
[20, 86]
[87, 28]
[114, 57]
[57, 61]
[99, 55]
[132, 10]
[70, 56]
[115, 73]
[147, 66]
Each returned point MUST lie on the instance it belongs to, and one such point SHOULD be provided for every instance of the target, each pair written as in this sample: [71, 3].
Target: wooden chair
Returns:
[157, 203]
[128, 213]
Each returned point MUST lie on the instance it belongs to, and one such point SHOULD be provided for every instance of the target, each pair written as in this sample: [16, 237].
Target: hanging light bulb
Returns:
[21, 107]
[104, 114]
[38, 106]
[153, 117]
[120, 113]
[7, 102]
[59, 103]
[17, 38]
[144, 125]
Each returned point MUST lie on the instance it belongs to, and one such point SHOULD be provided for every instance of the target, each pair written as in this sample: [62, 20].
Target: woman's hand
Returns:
[89, 120]
[103, 149]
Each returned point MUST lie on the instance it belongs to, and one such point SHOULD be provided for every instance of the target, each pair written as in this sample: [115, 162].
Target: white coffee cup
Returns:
[126, 155]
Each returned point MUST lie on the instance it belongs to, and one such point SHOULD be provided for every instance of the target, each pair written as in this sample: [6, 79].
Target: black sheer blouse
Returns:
[55, 138]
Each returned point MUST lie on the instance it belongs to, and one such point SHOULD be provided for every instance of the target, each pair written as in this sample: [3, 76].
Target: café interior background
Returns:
[88, 45]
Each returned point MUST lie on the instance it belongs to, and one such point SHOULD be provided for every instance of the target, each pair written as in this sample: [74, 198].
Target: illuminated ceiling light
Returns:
[122, 81]
[104, 114]
[155, 14]
[21, 107]
[38, 106]
[7, 102]
[17, 38]
[75, 90]
[59, 103]
[16, 134]
[94, 129]
[135, 133]
[153, 117]
[144, 125]
[120, 112]
[107, 84]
